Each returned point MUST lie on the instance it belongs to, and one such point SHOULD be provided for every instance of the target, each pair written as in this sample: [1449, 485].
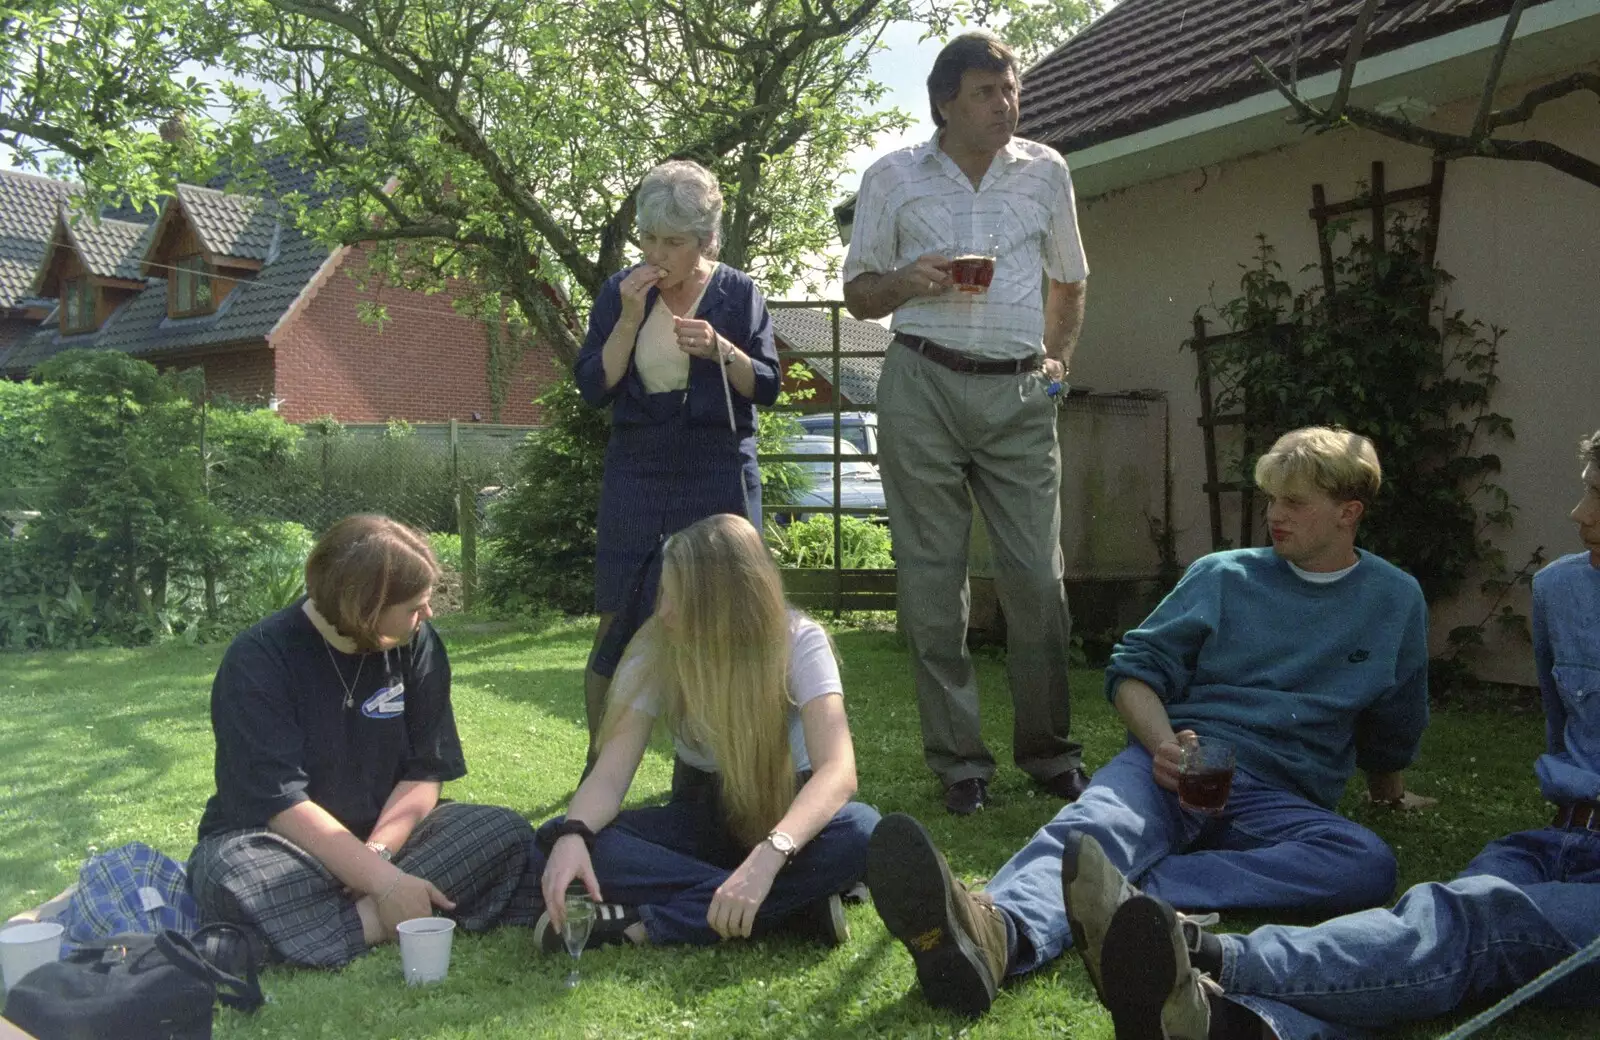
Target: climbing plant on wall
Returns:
[1384, 355]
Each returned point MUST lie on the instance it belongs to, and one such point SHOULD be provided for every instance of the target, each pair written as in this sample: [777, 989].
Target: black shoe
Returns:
[965, 797]
[1147, 981]
[956, 939]
[1067, 785]
[824, 921]
[611, 920]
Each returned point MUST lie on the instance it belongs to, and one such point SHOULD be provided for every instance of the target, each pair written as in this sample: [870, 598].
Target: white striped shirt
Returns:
[916, 200]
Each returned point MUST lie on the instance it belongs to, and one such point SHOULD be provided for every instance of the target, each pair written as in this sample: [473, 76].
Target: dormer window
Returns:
[77, 305]
[191, 287]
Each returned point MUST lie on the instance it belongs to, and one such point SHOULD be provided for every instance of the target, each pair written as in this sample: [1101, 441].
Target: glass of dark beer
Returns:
[972, 262]
[1206, 775]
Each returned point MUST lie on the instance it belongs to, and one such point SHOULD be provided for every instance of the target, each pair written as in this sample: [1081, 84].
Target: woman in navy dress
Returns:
[681, 348]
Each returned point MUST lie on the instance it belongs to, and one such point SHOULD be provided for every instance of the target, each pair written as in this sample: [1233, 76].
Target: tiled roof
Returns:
[242, 226]
[28, 208]
[141, 327]
[109, 248]
[811, 332]
[1147, 62]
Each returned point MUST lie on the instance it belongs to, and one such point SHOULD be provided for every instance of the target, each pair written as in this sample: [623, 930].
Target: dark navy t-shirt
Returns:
[285, 733]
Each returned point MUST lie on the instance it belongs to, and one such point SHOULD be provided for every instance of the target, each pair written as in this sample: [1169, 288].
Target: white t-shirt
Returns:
[813, 673]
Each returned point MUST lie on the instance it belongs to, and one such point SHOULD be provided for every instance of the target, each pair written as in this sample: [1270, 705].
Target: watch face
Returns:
[782, 842]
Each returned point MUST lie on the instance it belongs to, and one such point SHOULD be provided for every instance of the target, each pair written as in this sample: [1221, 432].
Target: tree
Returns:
[1480, 139]
[86, 86]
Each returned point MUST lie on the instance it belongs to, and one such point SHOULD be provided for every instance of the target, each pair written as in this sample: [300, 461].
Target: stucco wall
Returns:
[1522, 241]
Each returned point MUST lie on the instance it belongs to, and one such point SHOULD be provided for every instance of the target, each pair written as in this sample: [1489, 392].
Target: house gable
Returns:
[91, 266]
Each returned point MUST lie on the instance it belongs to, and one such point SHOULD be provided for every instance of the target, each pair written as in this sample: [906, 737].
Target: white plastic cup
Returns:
[425, 948]
[24, 947]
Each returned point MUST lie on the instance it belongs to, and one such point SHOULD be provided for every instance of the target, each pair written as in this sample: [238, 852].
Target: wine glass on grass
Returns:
[579, 923]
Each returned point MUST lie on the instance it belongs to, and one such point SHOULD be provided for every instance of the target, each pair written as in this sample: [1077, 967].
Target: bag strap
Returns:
[240, 994]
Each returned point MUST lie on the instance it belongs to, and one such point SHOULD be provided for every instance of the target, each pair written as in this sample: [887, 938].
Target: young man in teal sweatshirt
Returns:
[1309, 658]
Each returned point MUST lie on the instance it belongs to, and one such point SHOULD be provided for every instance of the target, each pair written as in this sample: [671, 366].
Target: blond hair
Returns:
[717, 653]
[1589, 449]
[1342, 464]
[363, 565]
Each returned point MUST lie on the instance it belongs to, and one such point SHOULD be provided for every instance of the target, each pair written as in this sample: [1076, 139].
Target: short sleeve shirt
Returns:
[916, 200]
[290, 728]
[813, 673]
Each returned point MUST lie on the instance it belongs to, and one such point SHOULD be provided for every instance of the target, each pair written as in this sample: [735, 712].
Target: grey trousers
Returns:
[942, 433]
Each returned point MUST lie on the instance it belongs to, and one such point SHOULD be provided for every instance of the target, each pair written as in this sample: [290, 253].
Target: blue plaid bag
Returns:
[131, 889]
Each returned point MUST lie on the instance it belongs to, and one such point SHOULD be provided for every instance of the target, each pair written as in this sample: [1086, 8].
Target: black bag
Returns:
[134, 987]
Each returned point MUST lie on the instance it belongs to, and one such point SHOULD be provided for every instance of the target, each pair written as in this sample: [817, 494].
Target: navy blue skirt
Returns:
[658, 480]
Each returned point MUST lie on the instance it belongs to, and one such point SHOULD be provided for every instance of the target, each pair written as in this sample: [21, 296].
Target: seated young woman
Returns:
[750, 690]
[334, 733]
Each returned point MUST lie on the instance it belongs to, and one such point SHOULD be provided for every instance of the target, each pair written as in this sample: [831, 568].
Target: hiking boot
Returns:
[956, 939]
[1092, 889]
[1149, 985]
[611, 921]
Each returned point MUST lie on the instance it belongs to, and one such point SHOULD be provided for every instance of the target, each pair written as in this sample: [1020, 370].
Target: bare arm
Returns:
[870, 295]
[1063, 320]
[408, 803]
[1146, 718]
[833, 780]
[387, 895]
[595, 804]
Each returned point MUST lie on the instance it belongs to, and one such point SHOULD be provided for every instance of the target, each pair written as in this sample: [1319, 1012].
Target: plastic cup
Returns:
[425, 948]
[24, 947]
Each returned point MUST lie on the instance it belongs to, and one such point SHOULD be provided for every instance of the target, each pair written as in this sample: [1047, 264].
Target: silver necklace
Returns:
[349, 689]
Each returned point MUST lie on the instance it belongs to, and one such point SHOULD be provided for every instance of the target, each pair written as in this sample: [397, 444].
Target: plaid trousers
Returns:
[475, 854]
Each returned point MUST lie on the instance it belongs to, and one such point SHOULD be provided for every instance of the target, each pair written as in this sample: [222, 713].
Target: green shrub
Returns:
[542, 532]
[808, 543]
[21, 443]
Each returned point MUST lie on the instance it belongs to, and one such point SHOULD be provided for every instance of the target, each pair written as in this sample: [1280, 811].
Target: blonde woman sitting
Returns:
[750, 690]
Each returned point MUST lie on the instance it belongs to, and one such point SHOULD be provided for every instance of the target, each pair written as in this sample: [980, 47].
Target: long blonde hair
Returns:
[717, 653]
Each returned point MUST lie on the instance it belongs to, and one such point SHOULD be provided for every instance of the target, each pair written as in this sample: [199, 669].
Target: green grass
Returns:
[99, 748]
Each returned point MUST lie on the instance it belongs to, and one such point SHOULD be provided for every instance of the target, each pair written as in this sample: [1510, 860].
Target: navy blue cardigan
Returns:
[735, 308]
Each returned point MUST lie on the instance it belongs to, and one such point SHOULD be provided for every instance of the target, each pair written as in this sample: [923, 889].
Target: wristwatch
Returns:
[381, 849]
[783, 843]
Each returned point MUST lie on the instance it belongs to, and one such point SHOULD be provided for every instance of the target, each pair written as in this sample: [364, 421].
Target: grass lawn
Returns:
[99, 748]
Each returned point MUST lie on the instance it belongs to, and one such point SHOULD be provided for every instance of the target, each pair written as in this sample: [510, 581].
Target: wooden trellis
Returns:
[1375, 201]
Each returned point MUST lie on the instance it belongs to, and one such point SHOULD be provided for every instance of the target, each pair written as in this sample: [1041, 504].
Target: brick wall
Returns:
[426, 364]
[244, 376]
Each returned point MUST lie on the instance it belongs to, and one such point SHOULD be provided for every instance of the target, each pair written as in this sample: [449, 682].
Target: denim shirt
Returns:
[1566, 651]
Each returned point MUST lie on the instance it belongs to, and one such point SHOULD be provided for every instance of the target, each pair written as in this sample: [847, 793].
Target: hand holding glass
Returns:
[973, 259]
[1206, 775]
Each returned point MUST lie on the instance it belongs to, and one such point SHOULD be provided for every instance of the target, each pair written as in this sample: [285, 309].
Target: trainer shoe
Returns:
[1149, 985]
[611, 920]
[823, 920]
[1092, 889]
[957, 939]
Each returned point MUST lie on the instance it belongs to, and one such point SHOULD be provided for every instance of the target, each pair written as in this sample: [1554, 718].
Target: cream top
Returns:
[662, 365]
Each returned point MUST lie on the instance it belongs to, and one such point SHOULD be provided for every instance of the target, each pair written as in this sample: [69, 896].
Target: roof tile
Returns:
[1147, 62]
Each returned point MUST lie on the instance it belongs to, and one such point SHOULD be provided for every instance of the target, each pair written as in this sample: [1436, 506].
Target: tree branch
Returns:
[1523, 110]
[1480, 124]
[1352, 57]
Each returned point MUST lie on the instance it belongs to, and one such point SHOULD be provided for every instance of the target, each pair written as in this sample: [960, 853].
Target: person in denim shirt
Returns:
[1527, 902]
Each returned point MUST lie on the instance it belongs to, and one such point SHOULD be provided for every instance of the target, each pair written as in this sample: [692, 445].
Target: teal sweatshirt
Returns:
[1307, 681]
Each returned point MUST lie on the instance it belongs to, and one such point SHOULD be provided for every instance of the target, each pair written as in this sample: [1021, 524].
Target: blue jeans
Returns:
[1269, 849]
[669, 861]
[1527, 902]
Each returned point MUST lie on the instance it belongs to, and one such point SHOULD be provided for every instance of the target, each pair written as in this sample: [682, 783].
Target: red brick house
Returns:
[808, 333]
[225, 283]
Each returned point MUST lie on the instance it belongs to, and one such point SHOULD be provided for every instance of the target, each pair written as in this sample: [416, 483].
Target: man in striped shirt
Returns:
[967, 405]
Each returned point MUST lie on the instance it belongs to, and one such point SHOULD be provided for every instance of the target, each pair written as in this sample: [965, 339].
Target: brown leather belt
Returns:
[1578, 816]
[956, 361]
